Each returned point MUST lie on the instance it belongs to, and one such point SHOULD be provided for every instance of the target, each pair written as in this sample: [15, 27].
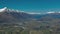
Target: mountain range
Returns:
[45, 23]
[15, 16]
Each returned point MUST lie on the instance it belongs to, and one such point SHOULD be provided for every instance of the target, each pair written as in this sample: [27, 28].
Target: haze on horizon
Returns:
[31, 5]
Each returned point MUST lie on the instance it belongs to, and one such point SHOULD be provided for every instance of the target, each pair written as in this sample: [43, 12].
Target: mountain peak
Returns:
[7, 9]
[3, 9]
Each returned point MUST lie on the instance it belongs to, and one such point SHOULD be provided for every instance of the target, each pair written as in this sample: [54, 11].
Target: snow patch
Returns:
[3, 9]
[50, 12]
[34, 13]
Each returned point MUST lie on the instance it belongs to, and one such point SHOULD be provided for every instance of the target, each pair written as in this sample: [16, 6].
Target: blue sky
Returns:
[30, 5]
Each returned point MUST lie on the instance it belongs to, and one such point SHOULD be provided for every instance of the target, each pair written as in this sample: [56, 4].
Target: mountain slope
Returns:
[12, 16]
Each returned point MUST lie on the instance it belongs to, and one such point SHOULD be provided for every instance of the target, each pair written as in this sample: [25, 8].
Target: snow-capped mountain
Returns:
[10, 15]
[3, 9]
[16, 16]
